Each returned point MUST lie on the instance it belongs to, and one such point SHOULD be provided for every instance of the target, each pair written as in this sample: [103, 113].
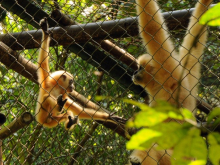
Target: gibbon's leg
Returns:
[155, 36]
[193, 45]
[84, 113]
[150, 157]
[48, 114]
[71, 119]
[91, 114]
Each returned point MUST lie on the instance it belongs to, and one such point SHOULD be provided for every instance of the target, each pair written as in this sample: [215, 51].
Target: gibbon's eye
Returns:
[71, 82]
[139, 69]
[135, 72]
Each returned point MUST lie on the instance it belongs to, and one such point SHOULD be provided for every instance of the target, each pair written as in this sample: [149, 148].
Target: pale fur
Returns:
[55, 84]
[164, 73]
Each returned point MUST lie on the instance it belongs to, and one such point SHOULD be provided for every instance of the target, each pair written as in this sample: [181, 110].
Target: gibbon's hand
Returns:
[117, 119]
[61, 102]
[44, 25]
[72, 121]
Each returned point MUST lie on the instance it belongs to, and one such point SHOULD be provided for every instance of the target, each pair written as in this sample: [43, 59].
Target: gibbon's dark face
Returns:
[67, 82]
[143, 75]
[71, 86]
[64, 80]
[138, 76]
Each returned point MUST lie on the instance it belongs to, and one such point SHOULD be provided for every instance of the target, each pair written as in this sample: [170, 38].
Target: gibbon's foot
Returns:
[134, 161]
[117, 119]
[44, 25]
[61, 102]
[72, 121]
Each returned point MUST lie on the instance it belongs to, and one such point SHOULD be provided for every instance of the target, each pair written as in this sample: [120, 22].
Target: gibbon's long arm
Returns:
[194, 43]
[43, 59]
[155, 34]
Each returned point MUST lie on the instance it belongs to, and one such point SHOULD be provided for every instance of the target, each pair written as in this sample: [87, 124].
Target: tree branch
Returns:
[25, 119]
[14, 61]
[106, 45]
[85, 32]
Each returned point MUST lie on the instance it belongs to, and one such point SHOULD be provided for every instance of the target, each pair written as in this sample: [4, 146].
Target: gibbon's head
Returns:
[143, 75]
[64, 80]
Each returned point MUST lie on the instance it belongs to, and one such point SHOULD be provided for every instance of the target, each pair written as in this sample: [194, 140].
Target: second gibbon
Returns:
[54, 88]
[164, 73]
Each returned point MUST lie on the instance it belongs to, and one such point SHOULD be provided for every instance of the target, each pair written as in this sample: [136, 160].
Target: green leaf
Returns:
[172, 133]
[143, 139]
[214, 141]
[213, 114]
[198, 162]
[142, 106]
[211, 17]
[190, 148]
[149, 118]
[188, 116]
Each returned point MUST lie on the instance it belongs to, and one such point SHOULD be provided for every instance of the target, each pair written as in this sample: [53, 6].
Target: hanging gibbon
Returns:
[53, 91]
[164, 73]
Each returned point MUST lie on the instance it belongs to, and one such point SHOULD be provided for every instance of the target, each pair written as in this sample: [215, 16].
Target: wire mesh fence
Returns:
[97, 42]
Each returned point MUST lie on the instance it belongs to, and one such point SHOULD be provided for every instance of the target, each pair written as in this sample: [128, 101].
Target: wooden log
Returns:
[25, 119]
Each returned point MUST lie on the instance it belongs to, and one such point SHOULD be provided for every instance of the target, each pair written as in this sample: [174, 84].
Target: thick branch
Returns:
[14, 61]
[106, 45]
[27, 10]
[22, 121]
[92, 31]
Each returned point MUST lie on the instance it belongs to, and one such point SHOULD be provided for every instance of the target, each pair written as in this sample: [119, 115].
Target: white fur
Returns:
[167, 75]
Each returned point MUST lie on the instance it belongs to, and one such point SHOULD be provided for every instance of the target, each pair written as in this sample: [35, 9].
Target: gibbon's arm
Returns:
[194, 35]
[43, 59]
[155, 34]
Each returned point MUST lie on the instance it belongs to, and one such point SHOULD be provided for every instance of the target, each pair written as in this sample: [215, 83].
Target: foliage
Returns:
[185, 139]
[212, 16]
[56, 146]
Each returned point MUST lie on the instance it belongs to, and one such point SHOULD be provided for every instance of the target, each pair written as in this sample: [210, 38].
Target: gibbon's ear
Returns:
[63, 76]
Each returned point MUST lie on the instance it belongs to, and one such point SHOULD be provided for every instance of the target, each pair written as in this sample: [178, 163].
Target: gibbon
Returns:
[164, 73]
[53, 93]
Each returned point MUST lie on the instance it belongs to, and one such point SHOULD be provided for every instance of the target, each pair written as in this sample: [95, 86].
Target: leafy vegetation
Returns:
[37, 145]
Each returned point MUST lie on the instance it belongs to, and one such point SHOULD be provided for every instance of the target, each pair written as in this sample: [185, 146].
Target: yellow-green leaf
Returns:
[143, 139]
[149, 118]
[212, 16]
[214, 148]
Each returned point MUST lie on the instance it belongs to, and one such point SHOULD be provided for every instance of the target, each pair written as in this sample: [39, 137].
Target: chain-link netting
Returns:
[97, 42]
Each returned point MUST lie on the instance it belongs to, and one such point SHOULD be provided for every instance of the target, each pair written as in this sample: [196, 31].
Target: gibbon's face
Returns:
[64, 80]
[143, 75]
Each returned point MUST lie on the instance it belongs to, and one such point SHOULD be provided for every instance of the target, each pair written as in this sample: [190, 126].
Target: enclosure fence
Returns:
[98, 43]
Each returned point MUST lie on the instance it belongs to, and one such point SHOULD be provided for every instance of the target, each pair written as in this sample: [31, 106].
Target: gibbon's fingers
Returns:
[154, 33]
[61, 102]
[44, 25]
